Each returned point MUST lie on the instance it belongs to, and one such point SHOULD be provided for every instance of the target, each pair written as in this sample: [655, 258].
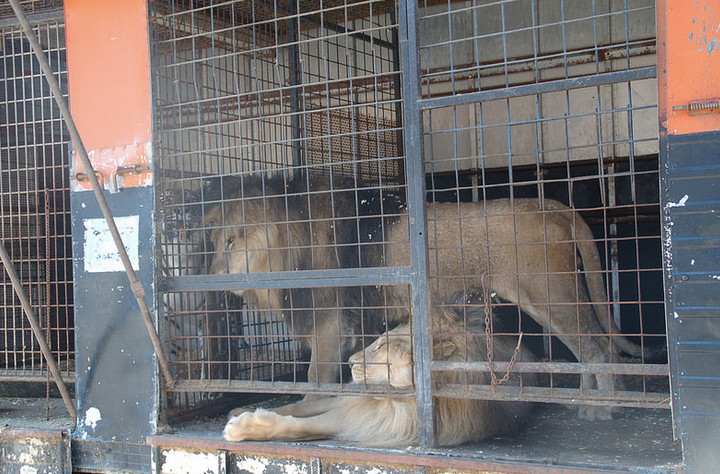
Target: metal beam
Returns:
[540, 88]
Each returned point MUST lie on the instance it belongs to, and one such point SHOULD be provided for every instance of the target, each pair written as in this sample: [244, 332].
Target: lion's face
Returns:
[241, 243]
[387, 360]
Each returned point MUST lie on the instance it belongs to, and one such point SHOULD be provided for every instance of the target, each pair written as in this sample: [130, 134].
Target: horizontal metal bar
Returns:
[423, 460]
[470, 71]
[540, 88]
[35, 18]
[574, 396]
[300, 388]
[556, 367]
[20, 376]
[296, 279]
[571, 396]
[316, 21]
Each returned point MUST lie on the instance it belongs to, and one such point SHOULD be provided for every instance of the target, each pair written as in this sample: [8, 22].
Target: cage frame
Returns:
[671, 274]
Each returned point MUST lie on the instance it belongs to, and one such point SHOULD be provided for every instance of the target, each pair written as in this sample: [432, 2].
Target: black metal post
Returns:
[415, 173]
[295, 81]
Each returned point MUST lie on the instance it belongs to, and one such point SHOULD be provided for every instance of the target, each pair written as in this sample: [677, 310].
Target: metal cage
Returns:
[35, 199]
[293, 94]
[284, 177]
[556, 101]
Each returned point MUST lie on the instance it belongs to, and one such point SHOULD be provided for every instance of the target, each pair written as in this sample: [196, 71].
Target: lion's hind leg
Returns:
[263, 425]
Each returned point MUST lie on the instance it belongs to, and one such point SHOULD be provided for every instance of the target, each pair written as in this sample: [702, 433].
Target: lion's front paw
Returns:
[595, 413]
[258, 425]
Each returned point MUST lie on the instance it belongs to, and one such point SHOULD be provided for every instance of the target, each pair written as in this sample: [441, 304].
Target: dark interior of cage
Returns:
[309, 94]
[34, 210]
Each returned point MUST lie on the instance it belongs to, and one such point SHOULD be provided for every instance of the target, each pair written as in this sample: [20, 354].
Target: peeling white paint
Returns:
[183, 462]
[675, 314]
[295, 469]
[28, 470]
[667, 248]
[32, 453]
[680, 203]
[375, 470]
[254, 465]
[92, 416]
[101, 255]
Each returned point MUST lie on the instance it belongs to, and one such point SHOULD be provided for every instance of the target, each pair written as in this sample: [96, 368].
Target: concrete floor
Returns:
[637, 440]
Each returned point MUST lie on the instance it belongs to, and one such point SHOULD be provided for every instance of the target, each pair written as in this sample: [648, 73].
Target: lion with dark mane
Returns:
[275, 224]
[525, 251]
[392, 421]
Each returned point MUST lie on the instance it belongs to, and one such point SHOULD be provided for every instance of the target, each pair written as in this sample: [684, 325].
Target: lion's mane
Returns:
[275, 223]
[392, 421]
[458, 335]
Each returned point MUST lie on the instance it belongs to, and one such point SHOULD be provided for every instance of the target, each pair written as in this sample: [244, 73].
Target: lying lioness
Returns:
[392, 422]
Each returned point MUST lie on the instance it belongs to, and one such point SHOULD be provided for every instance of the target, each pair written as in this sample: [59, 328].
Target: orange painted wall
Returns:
[109, 82]
[689, 62]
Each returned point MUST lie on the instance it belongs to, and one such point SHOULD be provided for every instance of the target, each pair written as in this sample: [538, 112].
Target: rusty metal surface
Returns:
[40, 451]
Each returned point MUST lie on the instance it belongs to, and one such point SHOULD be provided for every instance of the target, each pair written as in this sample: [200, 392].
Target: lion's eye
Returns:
[229, 243]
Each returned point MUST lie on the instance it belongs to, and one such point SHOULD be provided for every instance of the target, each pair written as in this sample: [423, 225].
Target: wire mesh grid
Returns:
[31, 7]
[545, 112]
[35, 205]
[283, 120]
[280, 135]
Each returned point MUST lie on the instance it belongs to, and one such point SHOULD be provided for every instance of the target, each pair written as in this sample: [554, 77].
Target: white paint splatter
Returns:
[253, 465]
[92, 416]
[183, 462]
[32, 449]
[692, 262]
[295, 469]
[28, 470]
[680, 203]
[376, 471]
[675, 314]
[715, 277]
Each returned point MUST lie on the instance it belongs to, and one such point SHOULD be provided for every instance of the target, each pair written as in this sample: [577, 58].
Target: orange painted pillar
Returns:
[109, 87]
[688, 65]
[108, 60]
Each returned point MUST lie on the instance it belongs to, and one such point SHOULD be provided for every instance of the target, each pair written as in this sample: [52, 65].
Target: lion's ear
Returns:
[447, 349]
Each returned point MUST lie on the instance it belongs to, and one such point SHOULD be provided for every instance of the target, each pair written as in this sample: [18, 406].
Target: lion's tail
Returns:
[585, 242]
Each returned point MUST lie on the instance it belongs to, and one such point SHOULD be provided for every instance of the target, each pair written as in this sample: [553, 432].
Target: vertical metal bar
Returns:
[614, 249]
[414, 161]
[397, 86]
[295, 80]
[135, 284]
